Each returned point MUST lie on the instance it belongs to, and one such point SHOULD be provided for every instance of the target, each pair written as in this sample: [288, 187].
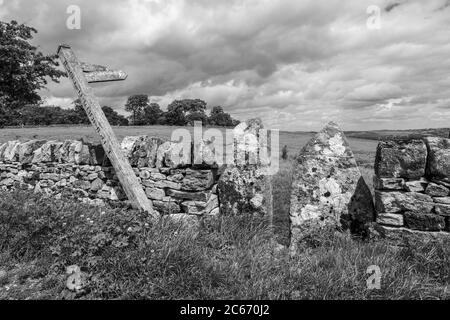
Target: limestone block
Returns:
[193, 207]
[10, 151]
[96, 185]
[209, 153]
[91, 176]
[436, 190]
[155, 193]
[157, 176]
[162, 184]
[82, 184]
[390, 219]
[173, 155]
[73, 151]
[405, 236]
[47, 152]
[175, 177]
[443, 200]
[442, 209]
[401, 159]
[197, 180]
[393, 202]
[200, 207]
[166, 207]
[196, 196]
[2, 150]
[416, 185]
[388, 183]
[141, 150]
[26, 150]
[50, 176]
[424, 221]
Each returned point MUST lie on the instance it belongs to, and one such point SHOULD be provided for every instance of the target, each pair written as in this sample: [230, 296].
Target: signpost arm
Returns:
[125, 173]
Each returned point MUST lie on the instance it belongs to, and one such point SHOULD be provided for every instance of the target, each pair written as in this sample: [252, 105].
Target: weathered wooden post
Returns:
[81, 75]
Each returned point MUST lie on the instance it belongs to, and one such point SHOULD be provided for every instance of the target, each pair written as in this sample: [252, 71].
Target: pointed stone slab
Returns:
[245, 186]
[327, 186]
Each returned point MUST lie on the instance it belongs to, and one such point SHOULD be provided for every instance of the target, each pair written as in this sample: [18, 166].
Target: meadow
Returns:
[125, 256]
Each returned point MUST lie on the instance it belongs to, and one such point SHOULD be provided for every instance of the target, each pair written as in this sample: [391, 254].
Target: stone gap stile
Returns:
[411, 180]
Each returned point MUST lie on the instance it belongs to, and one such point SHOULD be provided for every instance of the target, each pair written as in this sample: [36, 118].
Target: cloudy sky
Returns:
[294, 63]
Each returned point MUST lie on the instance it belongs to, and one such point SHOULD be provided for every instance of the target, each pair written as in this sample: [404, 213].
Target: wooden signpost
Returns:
[81, 75]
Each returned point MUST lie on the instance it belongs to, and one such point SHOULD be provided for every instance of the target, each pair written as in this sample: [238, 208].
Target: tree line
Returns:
[24, 71]
[179, 113]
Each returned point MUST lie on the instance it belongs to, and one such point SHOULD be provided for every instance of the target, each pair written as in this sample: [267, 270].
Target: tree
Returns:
[79, 115]
[23, 69]
[220, 118]
[152, 114]
[182, 112]
[4, 114]
[136, 104]
[175, 116]
[113, 117]
[196, 116]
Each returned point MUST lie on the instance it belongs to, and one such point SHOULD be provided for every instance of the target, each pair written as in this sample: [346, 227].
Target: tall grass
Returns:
[124, 255]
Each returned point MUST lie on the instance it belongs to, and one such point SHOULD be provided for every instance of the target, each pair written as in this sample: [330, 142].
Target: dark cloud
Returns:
[296, 64]
[391, 6]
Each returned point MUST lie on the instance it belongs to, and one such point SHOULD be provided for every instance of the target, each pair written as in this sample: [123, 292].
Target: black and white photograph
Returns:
[224, 155]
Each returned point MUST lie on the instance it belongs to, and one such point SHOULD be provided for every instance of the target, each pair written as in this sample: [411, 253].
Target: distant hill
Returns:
[399, 134]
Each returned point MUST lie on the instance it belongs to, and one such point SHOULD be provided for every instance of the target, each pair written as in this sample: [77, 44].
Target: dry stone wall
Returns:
[412, 189]
[171, 182]
[189, 178]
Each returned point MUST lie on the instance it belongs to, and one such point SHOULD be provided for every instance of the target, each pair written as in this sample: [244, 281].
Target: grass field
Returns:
[123, 255]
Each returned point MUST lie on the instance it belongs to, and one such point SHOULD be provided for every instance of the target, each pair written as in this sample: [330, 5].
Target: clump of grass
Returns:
[126, 256]
[284, 152]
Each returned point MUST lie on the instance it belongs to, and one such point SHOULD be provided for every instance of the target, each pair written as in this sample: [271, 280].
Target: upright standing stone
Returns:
[245, 187]
[327, 187]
